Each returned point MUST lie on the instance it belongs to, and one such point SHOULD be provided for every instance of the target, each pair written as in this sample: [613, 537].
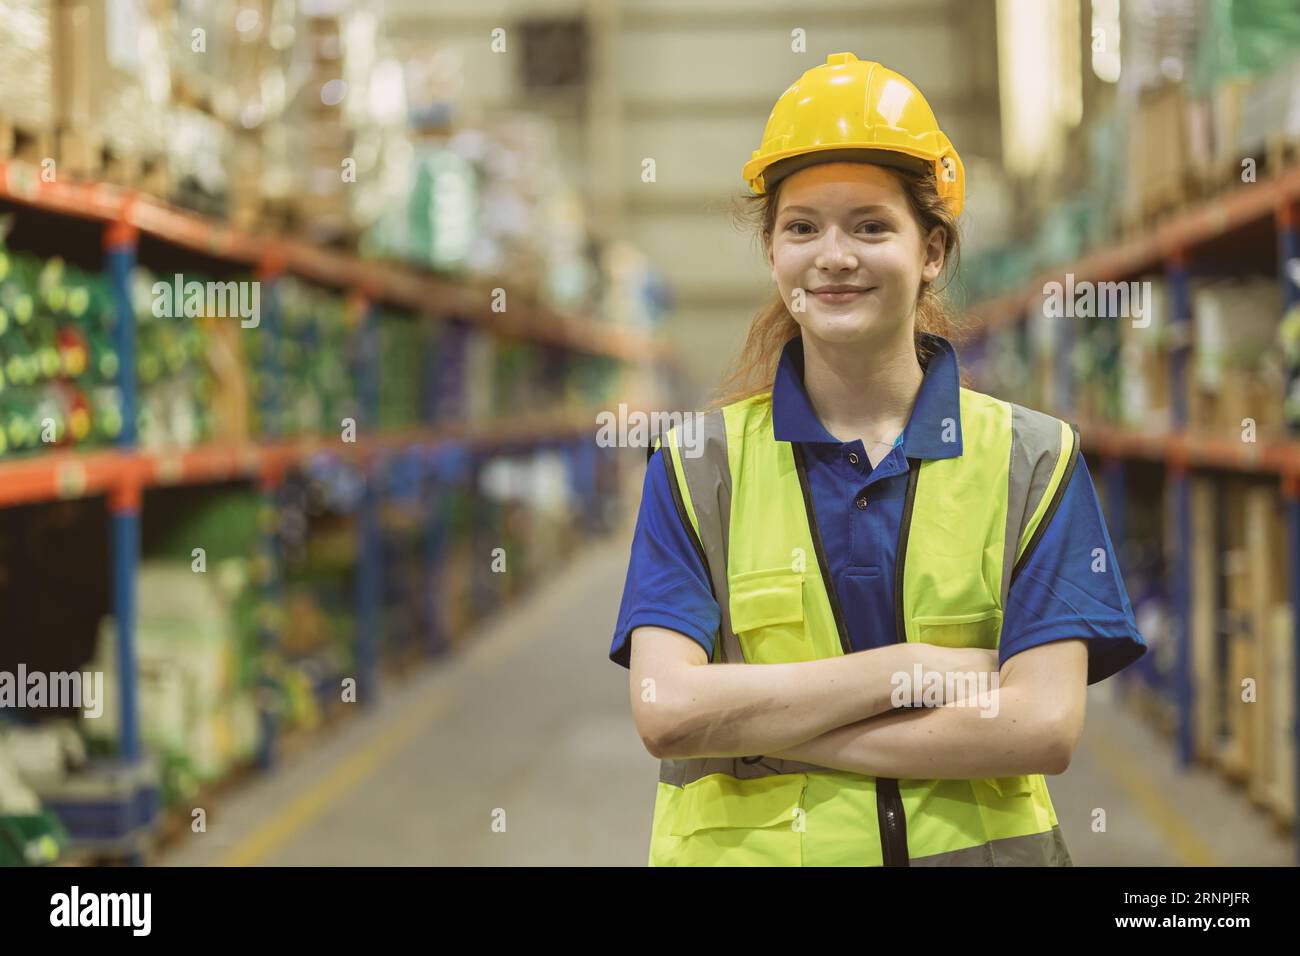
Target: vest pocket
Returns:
[722, 820]
[767, 616]
[977, 629]
[1010, 786]
[1011, 807]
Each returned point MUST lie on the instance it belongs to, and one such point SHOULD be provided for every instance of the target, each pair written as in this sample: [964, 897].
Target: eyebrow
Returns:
[875, 207]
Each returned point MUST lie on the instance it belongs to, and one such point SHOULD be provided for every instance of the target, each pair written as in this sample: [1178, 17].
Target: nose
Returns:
[835, 253]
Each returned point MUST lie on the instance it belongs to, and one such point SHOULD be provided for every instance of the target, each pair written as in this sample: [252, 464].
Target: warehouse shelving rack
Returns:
[124, 472]
[1183, 245]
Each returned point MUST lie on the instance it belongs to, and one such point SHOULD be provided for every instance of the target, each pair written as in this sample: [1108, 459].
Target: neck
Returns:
[863, 390]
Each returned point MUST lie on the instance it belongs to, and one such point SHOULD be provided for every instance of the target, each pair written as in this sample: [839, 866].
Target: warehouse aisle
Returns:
[421, 779]
[1155, 813]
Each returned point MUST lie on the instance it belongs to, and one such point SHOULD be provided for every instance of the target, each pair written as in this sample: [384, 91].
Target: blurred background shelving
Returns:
[1174, 180]
[235, 509]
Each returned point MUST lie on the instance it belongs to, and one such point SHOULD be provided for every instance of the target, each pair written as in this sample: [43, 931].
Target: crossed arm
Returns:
[838, 712]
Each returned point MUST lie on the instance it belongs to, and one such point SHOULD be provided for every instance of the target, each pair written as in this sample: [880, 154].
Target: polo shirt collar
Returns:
[939, 398]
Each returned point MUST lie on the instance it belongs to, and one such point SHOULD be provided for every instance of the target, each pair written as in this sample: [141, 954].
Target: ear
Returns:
[933, 255]
[771, 262]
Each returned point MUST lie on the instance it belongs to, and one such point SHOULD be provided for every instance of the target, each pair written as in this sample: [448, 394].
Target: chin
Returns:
[841, 328]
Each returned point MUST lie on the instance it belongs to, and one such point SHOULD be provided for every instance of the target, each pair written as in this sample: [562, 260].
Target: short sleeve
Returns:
[1071, 587]
[667, 585]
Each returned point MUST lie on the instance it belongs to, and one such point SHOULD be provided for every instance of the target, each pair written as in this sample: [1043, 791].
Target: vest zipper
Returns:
[891, 822]
[889, 803]
[840, 626]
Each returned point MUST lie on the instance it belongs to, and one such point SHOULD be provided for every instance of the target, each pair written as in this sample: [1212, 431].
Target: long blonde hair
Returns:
[754, 367]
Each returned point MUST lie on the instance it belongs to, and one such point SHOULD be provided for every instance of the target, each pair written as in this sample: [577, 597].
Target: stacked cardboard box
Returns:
[26, 80]
[1270, 738]
[1144, 360]
[1159, 174]
[1207, 684]
[111, 90]
[1237, 647]
[324, 141]
[1236, 375]
[1280, 785]
[1243, 687]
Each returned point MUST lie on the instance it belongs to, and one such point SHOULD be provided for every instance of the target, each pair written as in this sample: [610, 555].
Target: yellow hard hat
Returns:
[855, 110]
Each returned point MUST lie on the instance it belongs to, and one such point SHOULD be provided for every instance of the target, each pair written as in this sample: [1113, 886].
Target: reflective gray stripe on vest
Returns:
[708, 480]
[681, 772]
[1035, 448]
[1036, 849]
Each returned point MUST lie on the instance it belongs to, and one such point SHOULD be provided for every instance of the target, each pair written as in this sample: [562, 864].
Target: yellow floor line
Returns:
[311, 804]
[1164, 815]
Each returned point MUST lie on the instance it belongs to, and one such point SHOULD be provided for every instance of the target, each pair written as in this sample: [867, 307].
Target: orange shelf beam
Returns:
[390, 282]
[1199, 223]
[68, 473]
[1196, 449]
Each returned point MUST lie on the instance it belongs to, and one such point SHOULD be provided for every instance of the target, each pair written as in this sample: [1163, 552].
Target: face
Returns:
[849, 225]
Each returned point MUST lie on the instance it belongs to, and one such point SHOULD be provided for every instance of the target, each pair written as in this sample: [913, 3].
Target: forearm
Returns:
[736, 710]
[937, 743]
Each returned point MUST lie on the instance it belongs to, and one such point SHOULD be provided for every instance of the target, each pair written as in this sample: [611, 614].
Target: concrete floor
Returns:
[522, 752]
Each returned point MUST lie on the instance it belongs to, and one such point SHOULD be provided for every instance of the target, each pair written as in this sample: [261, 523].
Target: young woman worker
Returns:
[854, 519]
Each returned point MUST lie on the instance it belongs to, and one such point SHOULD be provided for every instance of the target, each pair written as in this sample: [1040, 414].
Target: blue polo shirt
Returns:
[1062, 592]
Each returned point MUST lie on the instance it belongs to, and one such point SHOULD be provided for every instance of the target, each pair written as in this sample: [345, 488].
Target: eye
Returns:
[879, 227]
[799, 222]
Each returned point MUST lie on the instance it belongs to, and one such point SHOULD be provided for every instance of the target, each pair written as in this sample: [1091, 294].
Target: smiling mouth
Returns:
[842, 296]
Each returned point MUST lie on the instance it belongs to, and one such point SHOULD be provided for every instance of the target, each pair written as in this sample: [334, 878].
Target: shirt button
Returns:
[853, 458]
[861, 503]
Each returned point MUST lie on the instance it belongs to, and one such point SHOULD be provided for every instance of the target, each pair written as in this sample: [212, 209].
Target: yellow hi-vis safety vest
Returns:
[969, 524]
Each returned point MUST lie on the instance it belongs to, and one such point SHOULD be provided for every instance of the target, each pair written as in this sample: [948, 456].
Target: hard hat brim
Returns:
[892, 158]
